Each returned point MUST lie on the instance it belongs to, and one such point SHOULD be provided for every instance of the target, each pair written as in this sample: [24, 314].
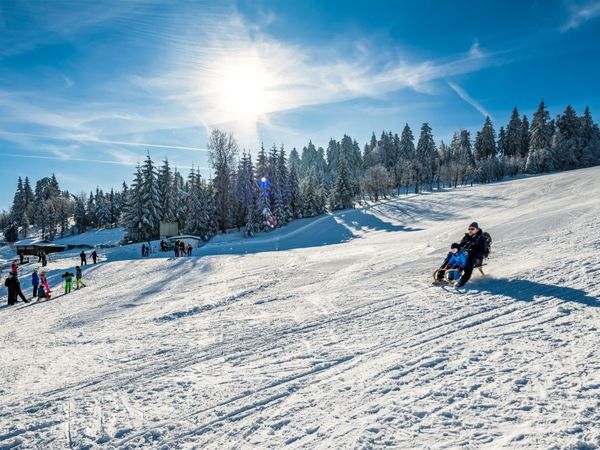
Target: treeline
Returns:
[275, 188]
[56, 213]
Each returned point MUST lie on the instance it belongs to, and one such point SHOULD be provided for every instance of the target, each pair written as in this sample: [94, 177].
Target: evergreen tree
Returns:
[566, 144]
[540, 157]
[202, 213]
[485, 142]
[425, 158]
[342, 196]
[525, 138]
[407, 170]
[165, 190]
[151, 200]
[80, 215]
[223, 150]
[134, 212]
[513, 135]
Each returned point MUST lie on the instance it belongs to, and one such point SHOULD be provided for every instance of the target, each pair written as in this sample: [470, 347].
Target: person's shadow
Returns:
[526, 291]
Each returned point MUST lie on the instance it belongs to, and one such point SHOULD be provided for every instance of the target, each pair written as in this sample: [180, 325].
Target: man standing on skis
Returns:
[474, 245]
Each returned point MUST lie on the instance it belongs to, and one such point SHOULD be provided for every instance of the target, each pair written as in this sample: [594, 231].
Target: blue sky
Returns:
[87, 88]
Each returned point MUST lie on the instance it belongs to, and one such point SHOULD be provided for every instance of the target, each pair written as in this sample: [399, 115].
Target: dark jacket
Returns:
[35, 279]
[475, 245]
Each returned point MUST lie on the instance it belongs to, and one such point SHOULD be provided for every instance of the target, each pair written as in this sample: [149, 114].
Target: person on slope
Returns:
[455, 259]
[17, 287]
[14, 267]
[189, 250]
[10, 287]
[68, 276]
[176, 249]
[79, 278]
[35, 282]
[83, 258]
[473, 244]
[182, 248]
[44, 287]
[94, 256]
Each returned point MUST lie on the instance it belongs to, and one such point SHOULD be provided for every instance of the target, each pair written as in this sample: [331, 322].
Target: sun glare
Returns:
[242, 91]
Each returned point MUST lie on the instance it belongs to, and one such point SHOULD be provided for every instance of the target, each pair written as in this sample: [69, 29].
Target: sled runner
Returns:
[456, 274]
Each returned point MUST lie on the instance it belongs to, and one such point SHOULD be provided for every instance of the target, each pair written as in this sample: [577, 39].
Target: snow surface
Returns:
[326, 334]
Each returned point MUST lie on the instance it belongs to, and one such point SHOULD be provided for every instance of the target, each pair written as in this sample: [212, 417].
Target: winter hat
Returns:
[455, 245]
[474, 225]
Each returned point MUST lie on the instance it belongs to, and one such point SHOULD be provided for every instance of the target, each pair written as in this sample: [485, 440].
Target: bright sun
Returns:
[243, 91]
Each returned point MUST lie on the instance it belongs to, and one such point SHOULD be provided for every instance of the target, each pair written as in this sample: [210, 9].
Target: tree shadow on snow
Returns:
[526, 290]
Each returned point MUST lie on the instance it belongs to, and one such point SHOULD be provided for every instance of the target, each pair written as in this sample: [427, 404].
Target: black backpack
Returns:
[488, 244]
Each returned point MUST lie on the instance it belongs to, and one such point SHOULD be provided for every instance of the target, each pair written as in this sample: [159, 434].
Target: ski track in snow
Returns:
[338, 345]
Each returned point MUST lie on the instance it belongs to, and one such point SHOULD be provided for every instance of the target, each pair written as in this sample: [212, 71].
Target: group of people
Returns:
[83, 257]
[179, 248]
[464, 256]
[39, 282]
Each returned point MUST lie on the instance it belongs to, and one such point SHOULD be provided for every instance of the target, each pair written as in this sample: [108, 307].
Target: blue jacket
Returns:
[35, 279]
[457, 259]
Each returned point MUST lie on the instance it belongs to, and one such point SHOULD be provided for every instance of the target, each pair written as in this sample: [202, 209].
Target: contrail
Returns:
[105, 141]
[104, 161]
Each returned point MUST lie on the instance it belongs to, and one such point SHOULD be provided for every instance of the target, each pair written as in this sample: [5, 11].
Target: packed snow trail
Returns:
[337, 345]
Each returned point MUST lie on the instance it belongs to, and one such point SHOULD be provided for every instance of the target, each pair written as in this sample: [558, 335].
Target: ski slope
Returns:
[327, 334]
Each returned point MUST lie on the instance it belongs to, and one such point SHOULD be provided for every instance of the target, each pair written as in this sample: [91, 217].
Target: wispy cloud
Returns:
[467, 98]
[580, 14]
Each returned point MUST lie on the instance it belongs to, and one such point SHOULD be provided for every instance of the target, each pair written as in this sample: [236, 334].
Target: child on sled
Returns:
[453, 264]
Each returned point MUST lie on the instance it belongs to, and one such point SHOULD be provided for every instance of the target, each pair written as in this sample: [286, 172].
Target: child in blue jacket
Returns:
[456, 259]
[35, 282]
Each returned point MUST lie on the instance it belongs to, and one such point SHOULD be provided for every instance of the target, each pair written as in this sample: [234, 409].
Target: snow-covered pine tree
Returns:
[426, 154]
[277, 205]
[590, 140]
[285, 215]
[134, 212]
[201, 217]
[513, 135]
[29, 199]
[525, 137]
[566, 144]
[180, 197]
[406, 158]
[333, 156]
[501, 144]
[295, 195]
[91, 210]
[223, 150]
[342, 196]
[151, 198]
[165, 190]
[540, 157]
[80, 215]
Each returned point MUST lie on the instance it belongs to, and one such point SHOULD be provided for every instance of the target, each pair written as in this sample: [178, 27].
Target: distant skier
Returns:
[68, 276]
[94, 256]
[79, 278]
[143, 250]
[182, 248]
[83, 258]
[176, 248]
[474, 245]
[44, 259]
[456, 259]
[14, 268]
[189, 250]
[35, 282]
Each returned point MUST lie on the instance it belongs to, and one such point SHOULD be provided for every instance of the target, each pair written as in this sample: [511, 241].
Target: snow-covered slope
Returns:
[328, 334]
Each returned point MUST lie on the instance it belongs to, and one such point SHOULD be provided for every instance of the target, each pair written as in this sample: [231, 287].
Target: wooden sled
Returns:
[446, 279]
